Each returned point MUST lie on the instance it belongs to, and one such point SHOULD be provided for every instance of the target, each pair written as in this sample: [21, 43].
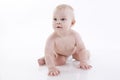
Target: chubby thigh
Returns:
[82, 55]
[60, 59]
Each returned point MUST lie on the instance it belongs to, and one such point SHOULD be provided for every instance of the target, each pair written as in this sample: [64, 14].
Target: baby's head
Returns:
[66, 9]
[63, 17]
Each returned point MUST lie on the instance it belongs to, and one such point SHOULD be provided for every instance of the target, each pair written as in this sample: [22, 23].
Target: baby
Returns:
[64, 42]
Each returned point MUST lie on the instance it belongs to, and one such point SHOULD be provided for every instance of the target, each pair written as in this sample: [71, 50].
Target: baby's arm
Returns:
[79, 43]
[50, 57]
[81, 53]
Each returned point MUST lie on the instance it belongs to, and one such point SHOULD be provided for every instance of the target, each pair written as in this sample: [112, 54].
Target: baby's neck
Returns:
[63, 33]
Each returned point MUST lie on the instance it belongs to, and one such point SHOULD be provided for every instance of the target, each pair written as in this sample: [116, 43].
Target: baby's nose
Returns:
[58, 22]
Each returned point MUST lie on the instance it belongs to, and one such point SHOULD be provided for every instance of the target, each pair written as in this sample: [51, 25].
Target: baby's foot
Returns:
[41, 61]
[84, 65]
[53, 72]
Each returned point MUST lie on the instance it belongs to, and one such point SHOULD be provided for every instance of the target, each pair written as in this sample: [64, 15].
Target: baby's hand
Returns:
[53, 72]
[85, 66]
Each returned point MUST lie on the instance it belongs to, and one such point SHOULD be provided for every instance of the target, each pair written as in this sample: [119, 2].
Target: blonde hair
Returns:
[66, 7]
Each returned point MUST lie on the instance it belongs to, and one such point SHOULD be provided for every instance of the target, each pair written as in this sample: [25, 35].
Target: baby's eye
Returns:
[55, 19]
[63, 19]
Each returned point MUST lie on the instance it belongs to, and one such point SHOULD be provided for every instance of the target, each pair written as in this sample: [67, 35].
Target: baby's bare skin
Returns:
[62, 51]
[63, 43]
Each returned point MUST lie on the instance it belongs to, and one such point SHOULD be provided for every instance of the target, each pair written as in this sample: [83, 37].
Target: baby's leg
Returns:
[83, 57]
[59, 60]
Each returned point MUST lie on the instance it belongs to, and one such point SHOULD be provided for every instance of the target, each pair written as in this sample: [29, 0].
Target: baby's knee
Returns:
[60, 61]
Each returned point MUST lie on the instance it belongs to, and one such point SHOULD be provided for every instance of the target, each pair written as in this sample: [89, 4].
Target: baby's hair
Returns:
[66, 7]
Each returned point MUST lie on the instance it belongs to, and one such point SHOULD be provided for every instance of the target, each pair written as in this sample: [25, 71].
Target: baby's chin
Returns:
[58, 29]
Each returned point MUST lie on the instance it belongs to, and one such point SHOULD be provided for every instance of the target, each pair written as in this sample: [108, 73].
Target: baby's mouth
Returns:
[58, 27]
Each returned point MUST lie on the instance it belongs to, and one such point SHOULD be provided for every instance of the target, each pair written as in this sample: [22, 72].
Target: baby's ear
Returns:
[73, 22]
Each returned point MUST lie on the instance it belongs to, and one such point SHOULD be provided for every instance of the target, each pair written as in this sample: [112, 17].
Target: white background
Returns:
[26, 24]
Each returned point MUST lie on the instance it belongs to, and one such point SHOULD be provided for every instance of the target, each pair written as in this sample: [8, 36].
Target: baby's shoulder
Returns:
[51, 36]
[75, 33]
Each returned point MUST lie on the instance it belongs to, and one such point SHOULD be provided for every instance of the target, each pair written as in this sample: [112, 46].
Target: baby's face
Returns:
[62, 20]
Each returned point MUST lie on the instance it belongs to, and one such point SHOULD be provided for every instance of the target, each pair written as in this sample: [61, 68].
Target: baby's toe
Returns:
[41, 61]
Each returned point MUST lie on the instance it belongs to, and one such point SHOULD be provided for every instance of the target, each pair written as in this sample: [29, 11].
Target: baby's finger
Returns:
[89, 66]
[50, 73]
[56, 73]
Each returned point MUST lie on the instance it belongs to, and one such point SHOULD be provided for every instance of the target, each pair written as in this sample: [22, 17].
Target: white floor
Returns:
[15, 65]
